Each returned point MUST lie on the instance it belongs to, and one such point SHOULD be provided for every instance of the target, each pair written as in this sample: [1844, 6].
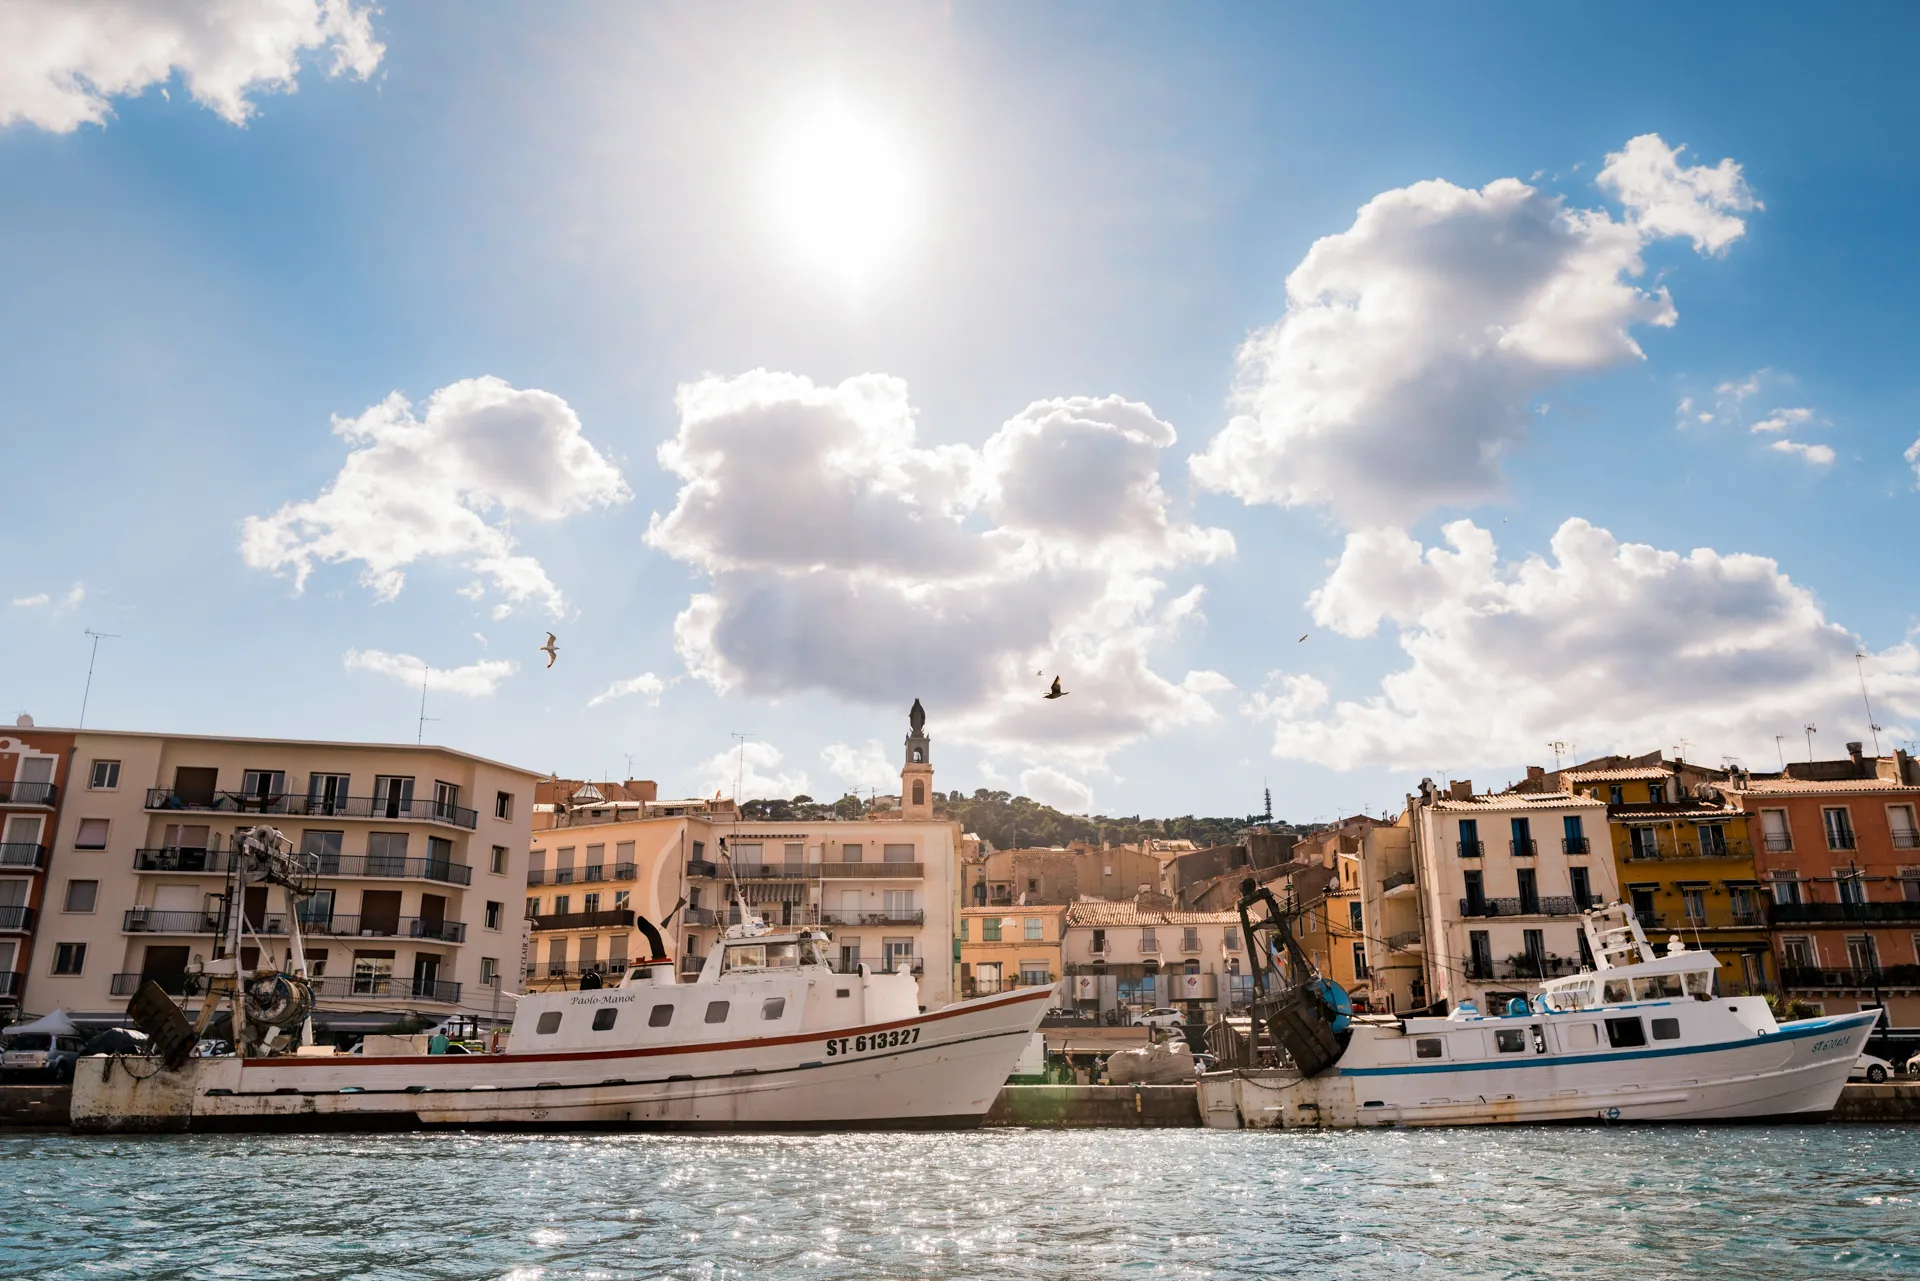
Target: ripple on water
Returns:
[1764, 1202]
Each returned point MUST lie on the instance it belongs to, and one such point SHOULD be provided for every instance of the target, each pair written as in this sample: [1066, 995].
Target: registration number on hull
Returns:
[1831, 1043]
[844, 1045]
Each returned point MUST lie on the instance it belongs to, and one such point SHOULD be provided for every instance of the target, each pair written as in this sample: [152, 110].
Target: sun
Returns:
[841, 193]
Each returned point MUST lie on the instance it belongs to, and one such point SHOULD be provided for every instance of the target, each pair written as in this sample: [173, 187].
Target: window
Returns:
[1427, 1047]
[1839, 824]
[327, 794]
[316, 963]
[990, 930]
[69, 958]
[1469, 838]
[661, 1016]
[1148, 943]
[489, 971]
[896, 853]
[620, 899]
[264, 784]
[1786, 890]
[963, 929]
[1666, 1029]
[105, 776]
[81, 895]
[1799, 953]
[1642, 842]
[446, 800]
[596, 863]
[1851, 887]
[1529, 886]
[1582, 889]
[533, 907]
[386, 854]
[1360, 960]
[773, 1007]
[1573, 839]
[1036, 928]
[92, 834]
[1232, 937]
[1510, 1040]
[717, 1011]
[1480, 954]
[1189, 939]
[1521, 832]
[1694, 899]
[1900, 821]
[498, 863]
[851, 853]
[1476, 894]
[1626, 1033]
[919, 792]
[1099, 942]
[562, 904]
[1582, 1036]
[604, 1016]
[590, 902]
[549, 1023]
[323, 848]
[1616, 795]
[1354, 920]
[1713, 840]
[493, 914]
[503, 805]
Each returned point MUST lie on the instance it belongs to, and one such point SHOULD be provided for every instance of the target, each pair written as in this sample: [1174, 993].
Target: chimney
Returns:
[1535, 774]
[1460, 789]
[1854, 754]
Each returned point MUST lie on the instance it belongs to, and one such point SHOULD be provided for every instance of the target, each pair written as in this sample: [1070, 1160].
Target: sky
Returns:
[1331, 399]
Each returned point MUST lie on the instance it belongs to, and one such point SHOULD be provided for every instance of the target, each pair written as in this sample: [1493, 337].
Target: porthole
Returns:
[549, 1023]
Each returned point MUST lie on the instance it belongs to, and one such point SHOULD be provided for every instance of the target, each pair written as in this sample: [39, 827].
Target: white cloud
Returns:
[38, 598]
[1913, 460]
[1730, 401]
[1049, 786]
[63, 61]
[476, 680]
[69, 600]
[863, 767]
[1812, 455]
[755, 766]
[1615, 646]
[844, 557]
[1413, 342]
[646, 684]
[414, 488]
[1783, 420]
[1665, 198]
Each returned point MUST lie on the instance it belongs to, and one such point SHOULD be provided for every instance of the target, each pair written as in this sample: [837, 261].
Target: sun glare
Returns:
[841, 194]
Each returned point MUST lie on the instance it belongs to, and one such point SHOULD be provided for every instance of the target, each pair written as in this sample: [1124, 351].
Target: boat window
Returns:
[1700, 985]
[638, 972]
[747, 958]
[1668, 985]
[773, 1007]
[1511, 1040]
[717, 1011]
[1427, 1047]
[604, 1016]
[1615, 992]
[1624, 1033]
[814, 952]
[1666, 1029]
[549, 1023]
[1581, 1036]
[661, 1016]
[782, 956]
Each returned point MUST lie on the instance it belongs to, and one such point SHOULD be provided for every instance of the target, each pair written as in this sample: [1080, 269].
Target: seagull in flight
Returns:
[551, 650]
[1056, 691]
[1303, 636]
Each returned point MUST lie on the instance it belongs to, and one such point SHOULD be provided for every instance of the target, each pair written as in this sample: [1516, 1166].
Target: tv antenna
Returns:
[1559, 748]
[89, 692]
[1859, 666]
[1681, 748]
[1812, 729]
[420, 734]
[1779, 741]
[739, 764]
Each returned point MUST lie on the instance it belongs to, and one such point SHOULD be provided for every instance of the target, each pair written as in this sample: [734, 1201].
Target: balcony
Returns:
[374, 807]
[171, 984]
[15, 917]
[1906, 838]
[868, 871]
[617, 918]
[387, 927]
[12, 985]
[691, 964]
[1189, 945]
[22, 854]
[144, 920]
[1802, 978]
[369, 987]
[1535, 967]
[1398, 881]
[1523, 849]
[701, 867]
[1778, 843]
[1896, 913]
[174, 859]
[588, 875]
[1547, 905]
[1841, 841]
[891, 965]
[1150, 947]
[18, 793]
[874, 918]
[1575, 845]
[1406, 941]
[1469, 849]
[360, 866]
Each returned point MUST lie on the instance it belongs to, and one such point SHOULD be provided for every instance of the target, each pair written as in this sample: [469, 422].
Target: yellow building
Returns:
[1686, 866]
[1002, 948]
[1329, 892]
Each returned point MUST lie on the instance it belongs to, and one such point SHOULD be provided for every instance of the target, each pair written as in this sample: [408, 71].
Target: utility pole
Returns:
[88, 692]
[1859, 666]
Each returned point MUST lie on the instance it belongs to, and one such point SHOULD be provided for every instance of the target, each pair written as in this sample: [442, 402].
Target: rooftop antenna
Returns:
[1779, 741]
[1812, 729]
[1681, 748]
[629, 756]
[1859, 661]
[420, 734]
[739, 765]
[89, 692]
[1559, 748]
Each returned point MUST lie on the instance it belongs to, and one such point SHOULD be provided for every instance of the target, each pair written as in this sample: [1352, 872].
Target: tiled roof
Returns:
[1815, 787]
[1102, 912]
[1517, 801]
[1696, 810]
[1638, 774]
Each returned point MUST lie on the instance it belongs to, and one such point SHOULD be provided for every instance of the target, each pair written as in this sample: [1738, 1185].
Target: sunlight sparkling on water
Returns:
[1759, 1202]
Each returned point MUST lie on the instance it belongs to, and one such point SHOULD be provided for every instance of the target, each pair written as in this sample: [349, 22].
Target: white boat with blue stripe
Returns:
[1638, 1037]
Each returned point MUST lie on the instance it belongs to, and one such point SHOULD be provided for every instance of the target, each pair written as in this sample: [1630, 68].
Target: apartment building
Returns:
[1004, 948]
[1332, 926]
[1503, 880]
[1839, 853]
[1061, 874]
[1391, 911]
[34, 766]
[1126, 957]
[417, 853]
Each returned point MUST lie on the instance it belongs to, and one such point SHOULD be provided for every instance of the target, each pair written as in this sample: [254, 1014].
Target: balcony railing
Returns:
[873, 918]
[394, 987]
[144, 920]
[691, 964]
[1574, 845]
[1778, 844]
[171, 984]
[22, 854]
[369, 866]
[1470, 849]
[1150, 945]
[1535, 967]
[879, 965]
[15, 917]
[1403, 941]
[583, 920]
[1865, 980]
[1906, 838]
[374, 807]
[14, 792]
[387, 927]
[588, 875]
[868, 871]
[1840, 841]
[1189, 945]
[1523, 849]
[1823, 913]
[1395, 881]
[701, 867]
[12, 984]
[175, 859]
[1547, 905]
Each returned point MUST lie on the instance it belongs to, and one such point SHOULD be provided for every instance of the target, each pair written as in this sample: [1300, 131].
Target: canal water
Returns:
[1737, 1202]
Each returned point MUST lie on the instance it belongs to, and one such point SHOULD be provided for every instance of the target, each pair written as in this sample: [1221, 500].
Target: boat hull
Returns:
[937, 1070]
[1796, 1073]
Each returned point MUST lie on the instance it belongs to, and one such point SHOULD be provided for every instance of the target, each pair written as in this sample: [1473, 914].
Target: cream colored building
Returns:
[1503, 880]
[420, 853]
[1391, 908]
[1126, 957]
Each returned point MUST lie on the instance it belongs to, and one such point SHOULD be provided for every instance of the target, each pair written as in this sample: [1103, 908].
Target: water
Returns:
[1640, 1203]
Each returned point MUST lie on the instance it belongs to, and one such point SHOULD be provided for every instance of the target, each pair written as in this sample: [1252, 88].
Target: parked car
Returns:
[39, 1056]
[1870, 1067]
[1162, 1016]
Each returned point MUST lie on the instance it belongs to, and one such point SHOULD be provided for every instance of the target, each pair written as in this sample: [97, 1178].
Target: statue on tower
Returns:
[917, 718]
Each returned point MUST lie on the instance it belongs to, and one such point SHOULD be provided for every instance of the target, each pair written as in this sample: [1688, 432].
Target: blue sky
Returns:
[1093, 203]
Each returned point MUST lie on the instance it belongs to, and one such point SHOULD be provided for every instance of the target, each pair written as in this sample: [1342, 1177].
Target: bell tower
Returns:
[916, 774]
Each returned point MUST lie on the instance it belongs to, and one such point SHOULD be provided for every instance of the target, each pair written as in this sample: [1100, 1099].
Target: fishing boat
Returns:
[1638, 1037]
[767, 1036]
